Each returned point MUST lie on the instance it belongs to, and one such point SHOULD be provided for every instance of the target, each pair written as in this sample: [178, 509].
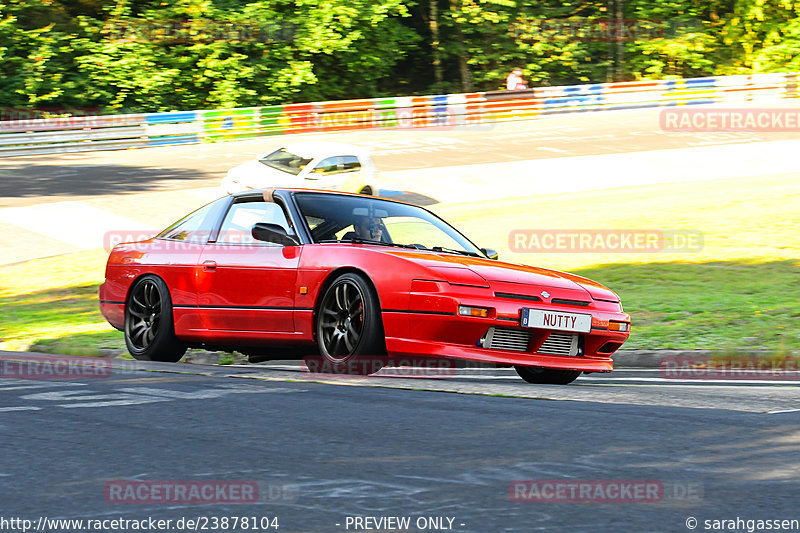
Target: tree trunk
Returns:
[433, 23]
[620, 42]
[463, 65]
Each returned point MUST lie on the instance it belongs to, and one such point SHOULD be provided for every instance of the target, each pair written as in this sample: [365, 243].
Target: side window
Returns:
[197, 226]
[238, 224]
[329, 165]
[351, 163]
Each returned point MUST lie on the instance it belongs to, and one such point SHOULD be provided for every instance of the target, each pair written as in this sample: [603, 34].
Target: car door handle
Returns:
[209, 265]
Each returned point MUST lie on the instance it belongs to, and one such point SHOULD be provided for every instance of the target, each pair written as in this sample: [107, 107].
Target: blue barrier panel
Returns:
[573, 101]
[691, 82]
[441, 116]
[172, 117]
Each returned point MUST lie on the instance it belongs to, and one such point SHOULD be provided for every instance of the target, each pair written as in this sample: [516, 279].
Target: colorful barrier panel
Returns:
[86, 133]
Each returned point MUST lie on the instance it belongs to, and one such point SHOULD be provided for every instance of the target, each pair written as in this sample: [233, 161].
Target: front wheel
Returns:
[149, 330]
[547, 376]
[349, 330]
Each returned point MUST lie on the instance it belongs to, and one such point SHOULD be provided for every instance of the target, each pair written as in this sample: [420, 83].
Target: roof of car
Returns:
[257, 192]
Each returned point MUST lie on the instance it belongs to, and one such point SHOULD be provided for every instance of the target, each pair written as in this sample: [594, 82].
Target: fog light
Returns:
[465, 310]
[617, 326]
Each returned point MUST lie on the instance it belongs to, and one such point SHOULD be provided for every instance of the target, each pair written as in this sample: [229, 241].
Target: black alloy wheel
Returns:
[149, 331]
[349, 330]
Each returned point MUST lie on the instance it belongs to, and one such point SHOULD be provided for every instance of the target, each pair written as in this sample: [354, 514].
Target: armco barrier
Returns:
[77, 134]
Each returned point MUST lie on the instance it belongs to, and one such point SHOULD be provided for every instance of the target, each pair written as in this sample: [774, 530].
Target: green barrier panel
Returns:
[385, 112]
[229, 124]
[269, 120]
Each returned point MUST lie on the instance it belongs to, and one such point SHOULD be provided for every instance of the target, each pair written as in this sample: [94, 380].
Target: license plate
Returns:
[538, 318]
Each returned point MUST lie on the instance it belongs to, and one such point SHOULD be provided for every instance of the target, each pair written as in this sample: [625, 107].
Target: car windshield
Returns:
[341, 218]
[285, 161]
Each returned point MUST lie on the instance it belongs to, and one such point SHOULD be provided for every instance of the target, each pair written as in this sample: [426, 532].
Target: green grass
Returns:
[720, 305]
[742, 290]
[53, 302]
[68, 316]
[742, 219]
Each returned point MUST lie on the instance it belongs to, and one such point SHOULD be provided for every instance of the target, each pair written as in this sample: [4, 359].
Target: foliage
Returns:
[148, 55]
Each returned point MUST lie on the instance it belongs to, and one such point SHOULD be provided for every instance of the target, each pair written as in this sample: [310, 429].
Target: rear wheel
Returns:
[366, 190]
[349, 330]
[549, 376]
[149, 330]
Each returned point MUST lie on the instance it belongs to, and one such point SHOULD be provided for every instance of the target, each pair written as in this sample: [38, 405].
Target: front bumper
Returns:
[433, 327]
[404, 347]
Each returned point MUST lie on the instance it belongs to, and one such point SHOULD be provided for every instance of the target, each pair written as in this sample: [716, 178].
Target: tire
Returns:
[547, 376]
[149, 327]
[348, 327]
[366, 190]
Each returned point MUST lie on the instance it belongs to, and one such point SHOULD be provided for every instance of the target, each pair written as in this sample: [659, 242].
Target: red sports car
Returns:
[350, 276]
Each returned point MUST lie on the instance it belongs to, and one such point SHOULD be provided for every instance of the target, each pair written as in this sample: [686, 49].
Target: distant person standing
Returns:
[515, 81]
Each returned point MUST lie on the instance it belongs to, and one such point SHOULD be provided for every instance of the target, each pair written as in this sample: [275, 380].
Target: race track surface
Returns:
[323, 452]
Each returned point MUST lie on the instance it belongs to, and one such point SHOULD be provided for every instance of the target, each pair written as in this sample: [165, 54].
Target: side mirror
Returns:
[491, 254]
[273, 233]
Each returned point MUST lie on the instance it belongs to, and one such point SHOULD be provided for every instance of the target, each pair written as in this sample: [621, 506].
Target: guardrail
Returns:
[110, 132]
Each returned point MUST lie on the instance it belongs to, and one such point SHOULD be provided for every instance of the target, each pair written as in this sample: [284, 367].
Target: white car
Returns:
[313, 165]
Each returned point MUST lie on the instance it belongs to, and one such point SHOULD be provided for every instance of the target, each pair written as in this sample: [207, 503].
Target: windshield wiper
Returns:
[359, 240]
[454, 251]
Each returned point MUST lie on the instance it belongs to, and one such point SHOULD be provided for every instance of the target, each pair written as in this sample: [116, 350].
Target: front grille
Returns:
[516, 340]
[512, 296]
[560, 344]
[565, 301]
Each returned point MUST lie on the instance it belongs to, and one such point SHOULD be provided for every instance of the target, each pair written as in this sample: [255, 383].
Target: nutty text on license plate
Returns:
[538, 318]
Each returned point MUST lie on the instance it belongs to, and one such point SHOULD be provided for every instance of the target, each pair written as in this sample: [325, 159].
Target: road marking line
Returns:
[21, 386]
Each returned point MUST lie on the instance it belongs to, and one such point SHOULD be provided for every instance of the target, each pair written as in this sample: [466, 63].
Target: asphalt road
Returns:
[372, 447]
[29, 180]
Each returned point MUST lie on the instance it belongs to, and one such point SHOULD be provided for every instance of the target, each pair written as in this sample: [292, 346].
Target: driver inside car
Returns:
[367, 228]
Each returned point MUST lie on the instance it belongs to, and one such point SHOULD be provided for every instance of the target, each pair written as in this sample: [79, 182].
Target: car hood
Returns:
[509, 278]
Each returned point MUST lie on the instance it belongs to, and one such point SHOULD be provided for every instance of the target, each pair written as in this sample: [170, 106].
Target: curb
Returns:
[651, 359]
[654, 358]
